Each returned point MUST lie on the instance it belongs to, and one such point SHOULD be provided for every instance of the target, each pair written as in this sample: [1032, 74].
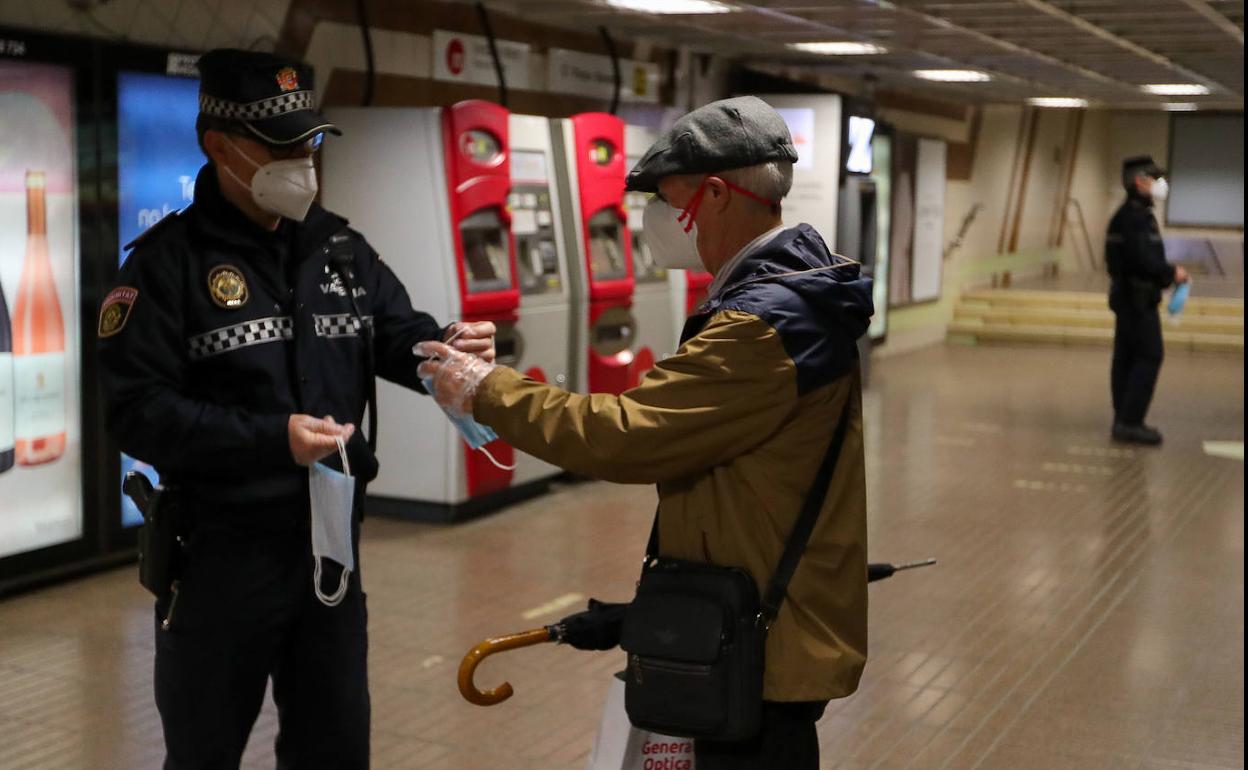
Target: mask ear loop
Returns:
[334, 599]
[497, 464]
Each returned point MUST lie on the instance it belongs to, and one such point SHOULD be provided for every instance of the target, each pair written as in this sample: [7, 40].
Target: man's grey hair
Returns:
[771, 180]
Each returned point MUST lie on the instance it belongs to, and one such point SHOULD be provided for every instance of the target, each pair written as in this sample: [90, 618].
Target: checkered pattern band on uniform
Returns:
[243, 335]
[258, 110]
[341, 325]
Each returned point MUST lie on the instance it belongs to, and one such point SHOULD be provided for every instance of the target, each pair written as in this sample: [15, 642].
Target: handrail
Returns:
[1083, 228]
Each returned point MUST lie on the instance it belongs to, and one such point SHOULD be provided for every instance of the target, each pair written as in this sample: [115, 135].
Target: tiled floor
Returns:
[1087, 611]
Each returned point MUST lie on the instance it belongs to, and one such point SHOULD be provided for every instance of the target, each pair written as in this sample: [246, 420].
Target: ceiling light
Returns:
[1176, 89]
[689, 7]
[1180, 106]
[1064, 102]
[953, 76]
[840, 48]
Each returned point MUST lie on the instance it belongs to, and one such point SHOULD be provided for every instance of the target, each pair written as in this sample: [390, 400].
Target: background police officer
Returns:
[233, 354]
[1136, 259]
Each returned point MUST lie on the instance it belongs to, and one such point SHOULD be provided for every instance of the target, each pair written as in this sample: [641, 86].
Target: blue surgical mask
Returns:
[1178, 298]
[474, 433]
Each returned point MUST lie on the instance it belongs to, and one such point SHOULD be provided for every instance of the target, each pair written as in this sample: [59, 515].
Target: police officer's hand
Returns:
[456, 376]
[473, 338]
[313, 438]
[1181, 275]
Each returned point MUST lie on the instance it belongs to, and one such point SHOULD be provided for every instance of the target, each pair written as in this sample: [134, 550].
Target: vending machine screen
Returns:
[606, 246]
[486, 263]
[158, 157]
[40, 433]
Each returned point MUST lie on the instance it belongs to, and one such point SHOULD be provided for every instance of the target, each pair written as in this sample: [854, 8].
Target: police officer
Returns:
[240, 346]
[1138, 270]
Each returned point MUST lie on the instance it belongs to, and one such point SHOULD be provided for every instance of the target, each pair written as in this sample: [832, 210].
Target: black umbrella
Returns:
[598, 627]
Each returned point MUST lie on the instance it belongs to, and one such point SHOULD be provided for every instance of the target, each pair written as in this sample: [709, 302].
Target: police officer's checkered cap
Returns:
[274, 96]
[258, 110]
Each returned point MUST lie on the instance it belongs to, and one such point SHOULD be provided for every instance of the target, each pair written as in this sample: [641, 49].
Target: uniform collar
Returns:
[728, 268]
[219, 219]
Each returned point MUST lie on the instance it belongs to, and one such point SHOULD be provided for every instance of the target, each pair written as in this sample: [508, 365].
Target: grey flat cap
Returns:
[731, 133]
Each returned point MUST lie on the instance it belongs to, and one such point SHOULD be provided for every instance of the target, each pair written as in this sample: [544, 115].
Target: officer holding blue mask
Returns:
[238, 353]
[1135, 256]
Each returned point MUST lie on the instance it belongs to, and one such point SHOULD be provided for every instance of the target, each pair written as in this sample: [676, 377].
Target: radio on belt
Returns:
[429, 189]
[590, 150]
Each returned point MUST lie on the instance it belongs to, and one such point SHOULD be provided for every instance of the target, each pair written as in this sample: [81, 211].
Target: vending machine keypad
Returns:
[533, 225]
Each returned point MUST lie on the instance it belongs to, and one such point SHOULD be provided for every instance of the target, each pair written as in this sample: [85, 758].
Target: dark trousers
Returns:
[786, 740]
[1138, 352]
[245, 612]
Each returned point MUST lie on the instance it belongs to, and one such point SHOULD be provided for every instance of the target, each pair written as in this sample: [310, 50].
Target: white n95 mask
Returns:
[333, 507]
[1161, 189]
[672, 246]
[282, 187]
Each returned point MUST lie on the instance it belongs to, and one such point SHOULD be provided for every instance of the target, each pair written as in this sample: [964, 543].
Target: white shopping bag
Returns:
[620, 746]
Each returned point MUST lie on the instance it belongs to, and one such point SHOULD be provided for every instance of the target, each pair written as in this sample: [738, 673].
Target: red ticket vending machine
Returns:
[590, 172]
[429, 189]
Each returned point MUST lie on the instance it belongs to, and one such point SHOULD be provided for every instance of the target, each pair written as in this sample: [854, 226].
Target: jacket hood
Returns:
[799, 260]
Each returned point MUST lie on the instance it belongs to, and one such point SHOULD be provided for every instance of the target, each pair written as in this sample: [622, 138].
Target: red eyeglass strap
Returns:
[691, 211]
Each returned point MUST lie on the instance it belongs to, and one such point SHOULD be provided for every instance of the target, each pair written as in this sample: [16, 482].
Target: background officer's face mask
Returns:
[282, 187]
[1161, 189]
[333, 498]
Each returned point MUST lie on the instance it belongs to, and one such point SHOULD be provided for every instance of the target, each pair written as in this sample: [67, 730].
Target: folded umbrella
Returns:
[598, 627]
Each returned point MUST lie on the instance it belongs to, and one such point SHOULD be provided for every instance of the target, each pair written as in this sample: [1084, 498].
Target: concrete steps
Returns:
[987, 316]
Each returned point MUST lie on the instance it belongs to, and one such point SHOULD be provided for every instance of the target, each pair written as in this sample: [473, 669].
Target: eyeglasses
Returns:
[287, 151]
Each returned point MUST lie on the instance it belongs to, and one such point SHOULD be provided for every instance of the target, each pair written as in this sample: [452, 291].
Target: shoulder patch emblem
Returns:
[227, 287]
[115, 310]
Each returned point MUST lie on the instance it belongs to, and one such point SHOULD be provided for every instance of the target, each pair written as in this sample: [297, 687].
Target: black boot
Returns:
[1136, 434]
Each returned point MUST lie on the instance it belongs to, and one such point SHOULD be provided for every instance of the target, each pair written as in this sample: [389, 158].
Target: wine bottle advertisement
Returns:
[158, 158]
[40, 436]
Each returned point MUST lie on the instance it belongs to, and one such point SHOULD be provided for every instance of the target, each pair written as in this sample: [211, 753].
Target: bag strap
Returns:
[805, 526]
[802, 530]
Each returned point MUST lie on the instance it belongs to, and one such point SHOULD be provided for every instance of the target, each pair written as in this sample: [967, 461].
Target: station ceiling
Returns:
[1104, 51]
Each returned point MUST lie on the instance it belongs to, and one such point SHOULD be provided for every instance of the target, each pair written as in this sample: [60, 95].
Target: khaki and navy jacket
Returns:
[732, 428]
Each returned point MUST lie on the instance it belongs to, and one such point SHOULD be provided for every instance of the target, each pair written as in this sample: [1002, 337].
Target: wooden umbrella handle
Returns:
[468, 666]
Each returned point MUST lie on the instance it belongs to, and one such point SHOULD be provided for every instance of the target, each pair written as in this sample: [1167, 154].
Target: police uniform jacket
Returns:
[733, 428]
[1136, 257]
[219, 330]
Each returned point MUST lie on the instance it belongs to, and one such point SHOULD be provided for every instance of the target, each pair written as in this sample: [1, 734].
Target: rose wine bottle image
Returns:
[38, 342]
[6, 386]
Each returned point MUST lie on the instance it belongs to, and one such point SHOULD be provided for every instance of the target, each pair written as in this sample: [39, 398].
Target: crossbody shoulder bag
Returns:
[695, 633]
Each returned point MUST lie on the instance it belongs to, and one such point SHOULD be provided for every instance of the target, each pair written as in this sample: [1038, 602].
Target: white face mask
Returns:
[333, 506]
[1161, 189]
[282, 187]
[669, 244]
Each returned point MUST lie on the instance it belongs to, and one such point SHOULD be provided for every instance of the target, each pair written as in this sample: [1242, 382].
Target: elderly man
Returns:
[733, 427]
